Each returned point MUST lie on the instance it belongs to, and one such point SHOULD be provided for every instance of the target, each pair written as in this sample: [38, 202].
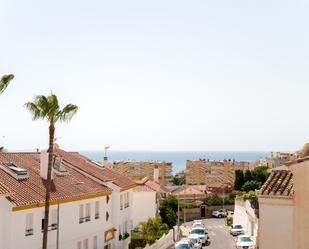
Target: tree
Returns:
[214, 200]
[177, 181]
[251, 186]
[168, 210]
[248, 175]
[5, 81]
[239, 179]
[47, 107]
[260, 174]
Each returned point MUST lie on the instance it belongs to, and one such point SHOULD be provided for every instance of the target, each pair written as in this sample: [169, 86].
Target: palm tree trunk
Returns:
[48, 183]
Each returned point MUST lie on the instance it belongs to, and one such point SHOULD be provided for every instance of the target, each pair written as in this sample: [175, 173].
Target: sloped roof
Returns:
[32, 190]
[142, 188]
[187, 190]
[94, 169]
[279, 183]
[3, 189]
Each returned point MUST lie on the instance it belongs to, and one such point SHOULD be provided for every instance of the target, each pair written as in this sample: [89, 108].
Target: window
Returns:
[29, 225]
[87, 218]
[128, 199]
[97, 210]
[85, 244]
[95, 242]
[79, 245]
[121, 202]
[81, 213]
[125, 200]
[54, 219]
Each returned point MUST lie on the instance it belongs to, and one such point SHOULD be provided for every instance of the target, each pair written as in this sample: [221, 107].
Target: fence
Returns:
[164, 242]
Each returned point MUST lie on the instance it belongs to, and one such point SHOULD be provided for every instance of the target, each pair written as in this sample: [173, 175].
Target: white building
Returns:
[82, 205]
[144, 203]
[121, 198]
[84, 194]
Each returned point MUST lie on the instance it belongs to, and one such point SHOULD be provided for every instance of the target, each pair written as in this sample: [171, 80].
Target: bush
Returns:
[214, 200]
[187, 205]
[251, 186]
[250, 196]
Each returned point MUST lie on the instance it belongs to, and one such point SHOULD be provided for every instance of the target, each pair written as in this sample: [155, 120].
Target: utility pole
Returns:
[178, 213]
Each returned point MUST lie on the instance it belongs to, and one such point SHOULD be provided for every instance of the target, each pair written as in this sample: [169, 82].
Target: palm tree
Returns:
[5, 81]
[47, 107]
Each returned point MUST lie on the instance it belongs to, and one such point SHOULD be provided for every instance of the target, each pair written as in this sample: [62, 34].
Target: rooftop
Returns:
[94, 169]
[32, 190]
[278, 184]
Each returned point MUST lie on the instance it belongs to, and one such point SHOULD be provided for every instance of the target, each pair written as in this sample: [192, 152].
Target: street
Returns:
[220, 237]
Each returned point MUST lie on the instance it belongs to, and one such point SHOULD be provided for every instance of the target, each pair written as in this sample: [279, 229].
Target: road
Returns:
[220, 237]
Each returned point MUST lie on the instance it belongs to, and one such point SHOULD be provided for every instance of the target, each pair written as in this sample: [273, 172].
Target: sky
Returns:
[158, 75]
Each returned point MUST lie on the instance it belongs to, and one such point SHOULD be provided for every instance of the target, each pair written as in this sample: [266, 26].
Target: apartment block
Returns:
[205, 171]
[160, 171]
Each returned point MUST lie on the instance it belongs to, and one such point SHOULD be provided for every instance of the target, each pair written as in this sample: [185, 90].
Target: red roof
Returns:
[3, 189]
[32, 190]
[94, 169]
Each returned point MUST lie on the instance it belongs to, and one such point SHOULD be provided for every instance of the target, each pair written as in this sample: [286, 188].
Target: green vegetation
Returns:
[251, 195]
[148, 232]
[187, 205]
[47, 107]
[251, 186]
[177, 181]
[5, 81]
[168, 211]
[250, 180]
[239, 179]
[216, 200]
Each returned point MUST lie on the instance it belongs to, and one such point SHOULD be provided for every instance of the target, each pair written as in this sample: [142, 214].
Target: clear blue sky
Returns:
[158, 75]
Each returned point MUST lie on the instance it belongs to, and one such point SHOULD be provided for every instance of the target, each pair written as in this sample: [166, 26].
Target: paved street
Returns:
[220, 237]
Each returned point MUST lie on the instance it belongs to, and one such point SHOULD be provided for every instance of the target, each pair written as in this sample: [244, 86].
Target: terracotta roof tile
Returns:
[3, 189]
[142, 188]
[279, 183]
[94, 169]
[32, 190]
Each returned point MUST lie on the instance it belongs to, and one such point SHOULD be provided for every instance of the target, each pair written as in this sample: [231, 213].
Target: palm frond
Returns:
[67, 113]
[4, 81]
[34, 110]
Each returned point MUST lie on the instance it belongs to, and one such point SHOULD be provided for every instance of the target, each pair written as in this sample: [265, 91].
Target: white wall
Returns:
[245, 216]
[275, 224]
[144, 206]
[69, 228]
[119, 217]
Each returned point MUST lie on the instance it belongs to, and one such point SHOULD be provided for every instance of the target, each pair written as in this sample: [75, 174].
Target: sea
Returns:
[178, 158]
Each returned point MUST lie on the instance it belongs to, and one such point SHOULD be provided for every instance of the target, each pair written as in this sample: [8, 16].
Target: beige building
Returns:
[284, 205]
[160, 171]
[212, 172]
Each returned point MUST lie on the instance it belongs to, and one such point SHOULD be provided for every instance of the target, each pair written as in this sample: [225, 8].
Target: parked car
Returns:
[196, 242]
[219, 213]
[237, 229]
[184, 244]
[202, 234]
[198, 223]
[244, 242]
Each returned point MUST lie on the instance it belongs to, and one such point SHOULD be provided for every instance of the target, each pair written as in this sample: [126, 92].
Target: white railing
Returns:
[164, 242]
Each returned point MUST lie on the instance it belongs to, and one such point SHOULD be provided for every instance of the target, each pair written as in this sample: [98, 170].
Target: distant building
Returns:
[159, 171]
[212, 172]
[277, 159]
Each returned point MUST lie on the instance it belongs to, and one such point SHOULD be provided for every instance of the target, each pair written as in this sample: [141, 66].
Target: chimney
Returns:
[44, 164]
[156, 173]
[105, 162]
